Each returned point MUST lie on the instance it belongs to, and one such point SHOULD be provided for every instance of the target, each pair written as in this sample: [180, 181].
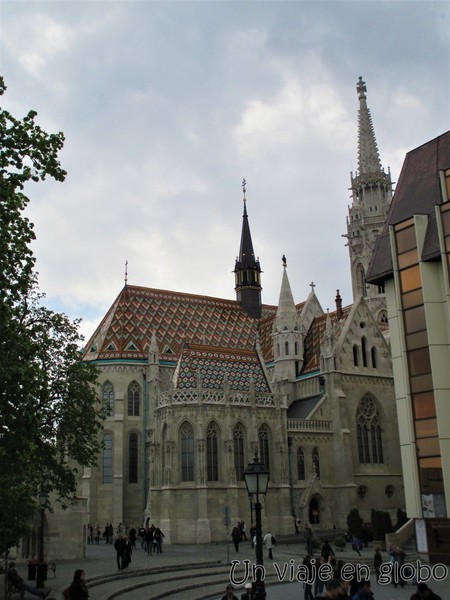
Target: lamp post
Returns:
[256, 477]
[41, 572]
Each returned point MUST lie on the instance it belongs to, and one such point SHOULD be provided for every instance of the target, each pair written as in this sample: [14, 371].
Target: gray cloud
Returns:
[166, 106]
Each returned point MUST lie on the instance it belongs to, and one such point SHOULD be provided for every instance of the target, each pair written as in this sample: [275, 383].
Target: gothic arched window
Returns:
[373, 354]
[134, 392]
[300, 464]
[133, 458]
[355, 355]
[370, 447]
[107, 458]
[364, 351]
[263, 437]
[187, 452]
[286, 348]
[211, 452]
[108, 397]
[238, 450]
[316, 462]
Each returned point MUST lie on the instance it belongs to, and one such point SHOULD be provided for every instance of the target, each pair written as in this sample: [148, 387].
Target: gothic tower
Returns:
[247, 270]
[371, 197]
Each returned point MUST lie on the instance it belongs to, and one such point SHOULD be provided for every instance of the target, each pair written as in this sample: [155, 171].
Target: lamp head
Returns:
[256, 477]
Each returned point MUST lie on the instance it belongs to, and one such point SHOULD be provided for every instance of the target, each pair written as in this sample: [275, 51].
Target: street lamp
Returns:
[42, 503]
[256, 477]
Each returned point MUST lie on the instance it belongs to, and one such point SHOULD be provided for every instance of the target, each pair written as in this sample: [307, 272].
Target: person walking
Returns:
[326, 551]
[119, 546]
[236, 537]
[308, 540]
[269, 543]
[158, 540]
[307, 585]
[377, 562]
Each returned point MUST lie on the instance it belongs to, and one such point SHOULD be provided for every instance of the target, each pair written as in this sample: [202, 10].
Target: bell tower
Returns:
[371, 191]
[247, 270]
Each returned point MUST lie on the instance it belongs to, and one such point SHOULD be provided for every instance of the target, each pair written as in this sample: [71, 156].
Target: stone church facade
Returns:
[196, 385]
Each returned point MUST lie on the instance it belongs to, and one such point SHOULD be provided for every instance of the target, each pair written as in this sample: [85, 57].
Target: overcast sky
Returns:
[167, 106]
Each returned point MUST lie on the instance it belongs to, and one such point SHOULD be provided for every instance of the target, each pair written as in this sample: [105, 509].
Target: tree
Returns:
[49, 412]
[355, 523]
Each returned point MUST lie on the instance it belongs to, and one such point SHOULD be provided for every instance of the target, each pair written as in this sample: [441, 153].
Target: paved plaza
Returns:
[101, 561]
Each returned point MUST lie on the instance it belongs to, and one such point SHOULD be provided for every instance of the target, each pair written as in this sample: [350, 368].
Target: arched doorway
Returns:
[314, 511]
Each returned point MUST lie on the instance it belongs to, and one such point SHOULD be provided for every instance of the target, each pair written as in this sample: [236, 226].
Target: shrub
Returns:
[355, 523]
[381, 524]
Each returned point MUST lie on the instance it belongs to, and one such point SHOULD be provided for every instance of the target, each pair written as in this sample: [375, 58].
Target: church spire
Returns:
[247, 269]
[371, 190]
[368, 157]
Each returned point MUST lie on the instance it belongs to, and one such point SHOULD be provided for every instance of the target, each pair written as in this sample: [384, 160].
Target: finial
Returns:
[361, 88]
[126, 273]
[244, 189]
[312, 285]
[283, 258]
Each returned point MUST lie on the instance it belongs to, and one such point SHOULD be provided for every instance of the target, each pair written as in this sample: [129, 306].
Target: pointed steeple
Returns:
[287, 313]
[368, 157]
[371, 190]
[247, 269]
[287, 337]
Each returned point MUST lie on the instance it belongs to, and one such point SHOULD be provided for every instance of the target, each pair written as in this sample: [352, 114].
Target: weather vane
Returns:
[244, 188]
[126, 273]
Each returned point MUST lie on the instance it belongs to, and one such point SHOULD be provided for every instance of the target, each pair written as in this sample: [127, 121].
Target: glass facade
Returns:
[418, 360]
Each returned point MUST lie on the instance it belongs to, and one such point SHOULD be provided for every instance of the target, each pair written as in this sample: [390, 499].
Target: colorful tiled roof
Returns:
[177, 318]
[218, 367]
[315, 337]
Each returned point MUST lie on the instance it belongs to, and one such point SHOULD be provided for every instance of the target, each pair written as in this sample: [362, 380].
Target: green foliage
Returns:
[49, 413]
[339, 542]
[402, 518]
[381, 524]
[355, 523]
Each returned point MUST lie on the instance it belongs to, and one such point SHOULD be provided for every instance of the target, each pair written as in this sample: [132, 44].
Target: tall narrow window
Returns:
[364, 351]
[263, 437]
[355, 355]
[316, 462]
[134, 390]
[108, 397]
[238, 450]
[133, 458]
[300, 464]
[286, 348]
[187, 452]
[107, 458]
[373, 353]
[368, 428]
[163, 453]
[211, 453]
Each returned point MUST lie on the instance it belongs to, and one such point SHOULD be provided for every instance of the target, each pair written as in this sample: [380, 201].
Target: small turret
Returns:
[287, 338]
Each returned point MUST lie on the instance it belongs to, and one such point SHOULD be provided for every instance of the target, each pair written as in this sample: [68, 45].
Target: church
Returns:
[196, 385]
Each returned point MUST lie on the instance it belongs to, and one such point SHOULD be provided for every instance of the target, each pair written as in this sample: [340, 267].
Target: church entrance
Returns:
[314, 512]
